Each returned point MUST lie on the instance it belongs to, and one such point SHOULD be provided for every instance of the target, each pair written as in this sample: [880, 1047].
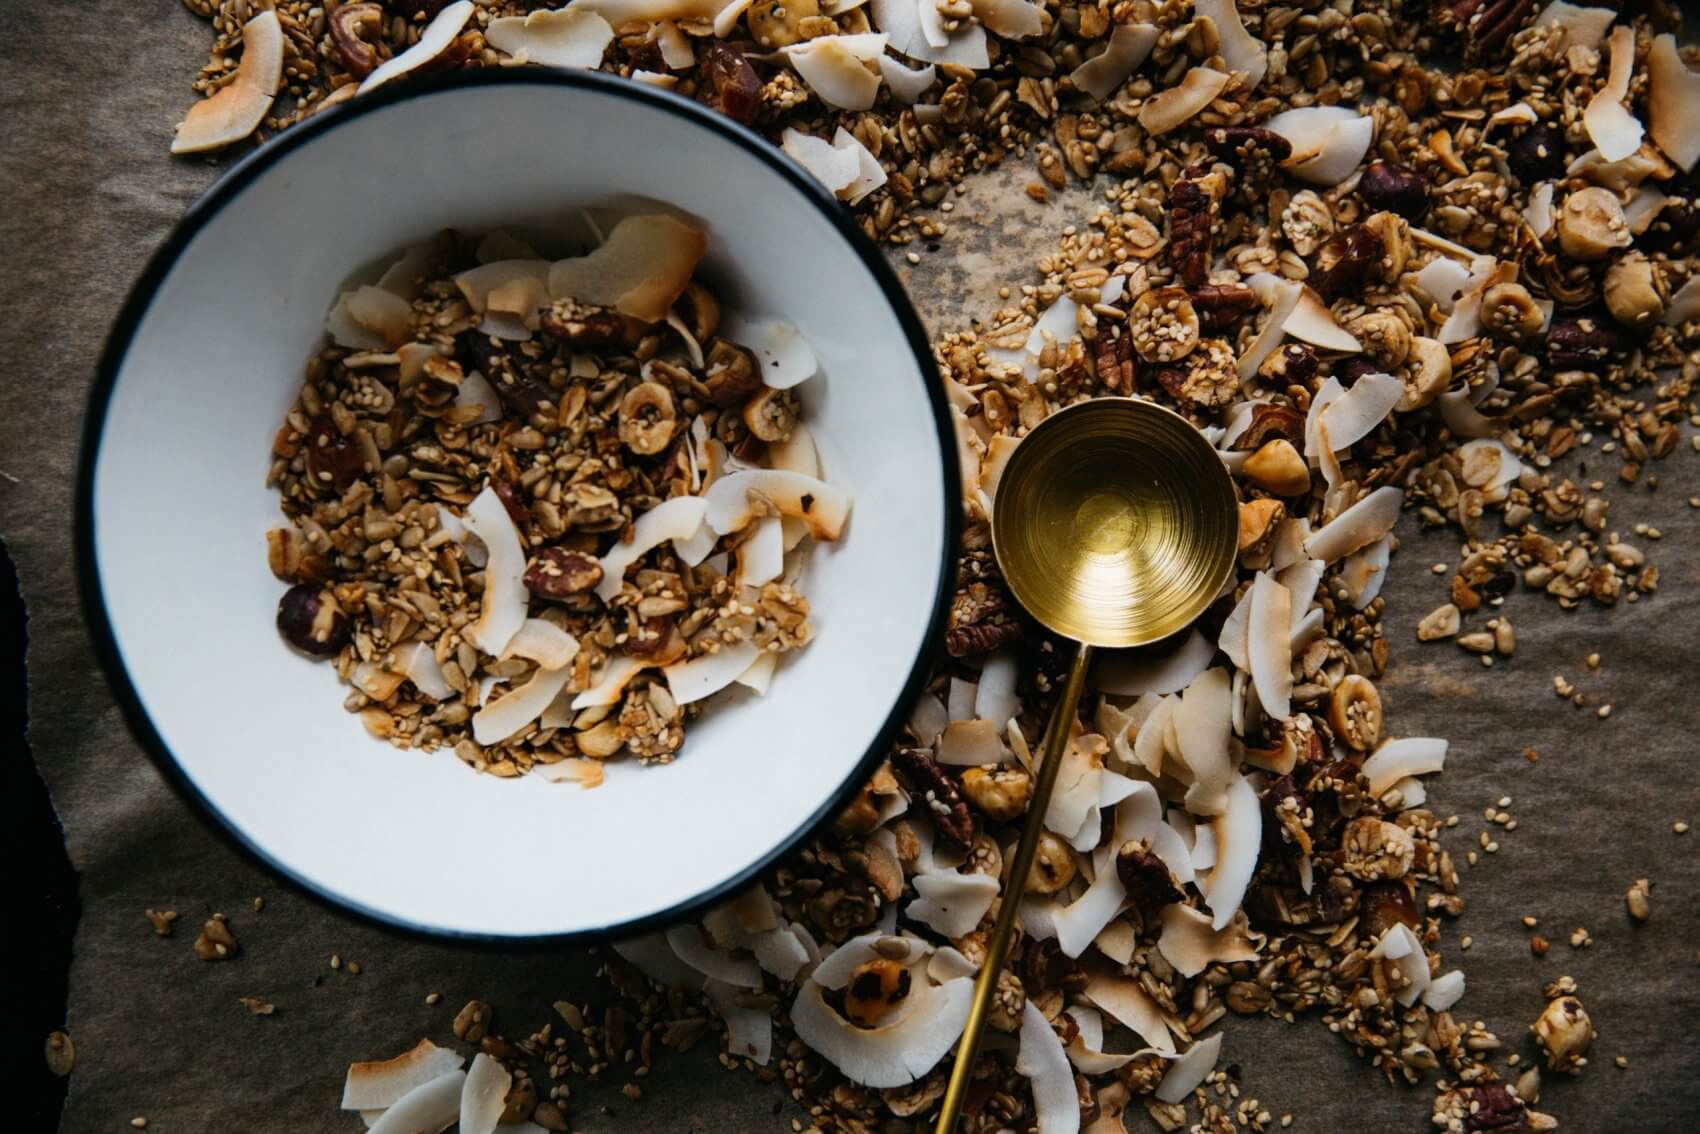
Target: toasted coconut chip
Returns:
[381, 313]
[952, 904]
[1128, 46]
[678, 519]
[835, 968]
[1583, 27]
[749, 1031]
[834, 168]
[418, 663]
[1190, 1070]
[1268, 630]
[971, 743]
[618, 12]
[1203, 728]
[1443, 279]
[690, 945]
[611, 681]
[1644, 208]
[505, 597]
[1238, 833]
[1203, 848]
[761, 557]
[1616, 132]
[1233, 639]
[375, 681]
[1173, 107]
[655, 958]
[1120, 725]
[1317, 450]
[1312, 322]
[1365, 570]
[378, 1084]
[823, 507]
[796, 453]
[1356, 413]
[1538, 213]
[1126, 1000]
[785, 356]
[345, 331]
[429, 1108]
[1148, 742]
[1444, 991]
[1086, 1049]
[995, 699]
[1043, 1061]
[566, 37]
[1301, 580]
[1242, 51]
[675, 49]
[781, 952]
[908, 23]
[1078, 924]
[432, 42]
[691, 681]
[641, 268]
[927, 720]
[870, 175]
[1117, 941]
[511, 280]
[1348, 142]
[1402, 946]
[483, 1095]
[1685, 304]
[543, 642]
[1012, 19]
[895, 1054]
[236, 109]
[1282, 298]
[512, 711]
[1396, 759]
[1075, 795]
[1411, 793]
[1465, 321]
[1673, 102]
[907, 86]
[1129, 674]
[1358, 526]
[1458, 411]
[759, 676]
[1190, 942]
[959, 701]
[476, 391]
[836, 71]
[586, 773]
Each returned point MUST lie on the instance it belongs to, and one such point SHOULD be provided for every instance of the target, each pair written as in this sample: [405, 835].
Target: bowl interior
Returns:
[179, 510]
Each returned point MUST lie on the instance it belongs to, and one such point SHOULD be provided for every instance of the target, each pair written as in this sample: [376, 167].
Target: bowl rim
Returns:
[254, 165]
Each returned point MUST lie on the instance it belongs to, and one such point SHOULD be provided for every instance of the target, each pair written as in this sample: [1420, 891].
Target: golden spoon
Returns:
[1115, 525]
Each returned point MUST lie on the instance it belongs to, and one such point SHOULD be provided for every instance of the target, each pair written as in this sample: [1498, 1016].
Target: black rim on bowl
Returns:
[253, 166]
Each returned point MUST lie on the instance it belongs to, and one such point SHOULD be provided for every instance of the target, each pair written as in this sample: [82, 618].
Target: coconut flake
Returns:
[972, 743]
[823, 507]
[433, 41]
[1365, 570]
[959, 700]
[1148, 744]
[1103, 74]
[1583, 27]
[836, 967]
[379, 1084]
[1282, 298]
[512, 711]
[832, 167]
[1538, 213]
[1174, 106]
[749, 1031]
[1644, 208]
[1011, 19]
[610, 683]
[476, 391]
[1203, 846]
[1301, 580]
[950, 903]
[1126, 1000]
[237, 109]
[785, 356]
[835, 71]
[656, 959]
[1075, 795]
[1268, 628]
[516, 287]
[1238, 832]
[1685, 304]
[995, 698]
[641, 268]
[1614, 130]
[1673, 102]
[691, 681]
[1043, 1061]
[1443, 279]
[542, 642]
[914, 30]
[1396, 759]
[565, 37]
[678, 519]
[1312, 322]
[1190, 1069]
[1310, 130]
[1242, 51]
[418, 663]
[690, 946]
[618, 12]
[896, 1054]
[429, 1108]
[1401, 946]
[1130, 674]
[1358, 526]
[483, 1095]
[907, 86]
[505, 599]
[1444, 991]
[1357, 412]
[761, 557]
[927, 720]
[1347, 144]
[1190, 942]
[1086, 1049]
[1203, 728]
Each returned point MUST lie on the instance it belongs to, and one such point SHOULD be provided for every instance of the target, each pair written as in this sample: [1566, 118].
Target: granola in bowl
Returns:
[540, 511]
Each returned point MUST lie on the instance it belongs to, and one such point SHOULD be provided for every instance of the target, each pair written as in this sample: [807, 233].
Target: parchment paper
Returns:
[90, 92]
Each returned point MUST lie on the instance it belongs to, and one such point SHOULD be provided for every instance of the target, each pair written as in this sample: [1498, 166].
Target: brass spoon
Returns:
[1115, 525]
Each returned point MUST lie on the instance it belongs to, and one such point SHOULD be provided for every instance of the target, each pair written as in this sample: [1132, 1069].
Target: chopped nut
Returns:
[472, 1022]
[1441, 622]
[1054, 866]
[1000, 793]
[1278, 468]
[1565, 1034]
[216, 942]
[1636, 899]
[1591, 224]
[163, 921]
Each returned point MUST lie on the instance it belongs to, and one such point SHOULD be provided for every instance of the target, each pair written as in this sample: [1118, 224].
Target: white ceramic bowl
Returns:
[172, 511]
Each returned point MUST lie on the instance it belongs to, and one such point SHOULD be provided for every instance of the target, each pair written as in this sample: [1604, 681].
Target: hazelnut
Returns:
[1565, 1034]
[1307, 222]
[1258, 519]
[776, 23]
[1395, 188]
[771, 414]
[1426, 374]
[1053, 866]
[1163, 324]
[1591, 224]
[1000, 793]
[1510, 311]
[874, 989]
[1277, 467]
[647, 418]
[1354, 709]
[1635, 291]
[556, 573]
[310, 620]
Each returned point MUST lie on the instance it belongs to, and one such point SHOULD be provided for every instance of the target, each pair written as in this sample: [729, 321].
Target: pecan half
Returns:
[1189, 231]
[944, 803]
[1489, 25]
[556, 573]
[1112, 356]
[981, 620]
[1220, 306]
[581, 324]
[737, 89]
[356, 30]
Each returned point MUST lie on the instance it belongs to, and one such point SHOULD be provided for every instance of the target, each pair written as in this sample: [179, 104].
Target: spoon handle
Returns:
[997, 949]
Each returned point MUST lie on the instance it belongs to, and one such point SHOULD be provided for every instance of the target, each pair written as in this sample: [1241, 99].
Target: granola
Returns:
[542, 511]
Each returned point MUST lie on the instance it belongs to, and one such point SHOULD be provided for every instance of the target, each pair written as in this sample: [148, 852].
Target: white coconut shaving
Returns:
[749, 1031]
[1357, 412]
[1673, 102]
[950, 903]
[1190, 1069]
[691, 946]
[1086, 1049]
[1130, 673]
[542, 642]
[761, 557]
[640, 270]
[483, 1095]
[908, 23]
[418, 663]
[432, 42]
[565, 37]
[1444, 991]
[1685, 304]
[1396, 759]
[691, 681]
[835, 68]
[655, 958]
[1402, 946]
[1203, 729]
[379, 1084]
[972, 743]
[1190, 942]
[818, 504]
[429, 1108]
[1174, 106]
[511, 712]
[894, 1055]
[1128, 46]
[1358, 526]
[784, 355]
[927, 720]
[503, 608]
[1127, 1002]
[1045, 1063]
[610, 682]
[1238, 833]
[1328, 141]
[1365, 570]
[235, 110]
[1282, 298]
[1613, 130]
[1268, 629]
[1242, 51]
